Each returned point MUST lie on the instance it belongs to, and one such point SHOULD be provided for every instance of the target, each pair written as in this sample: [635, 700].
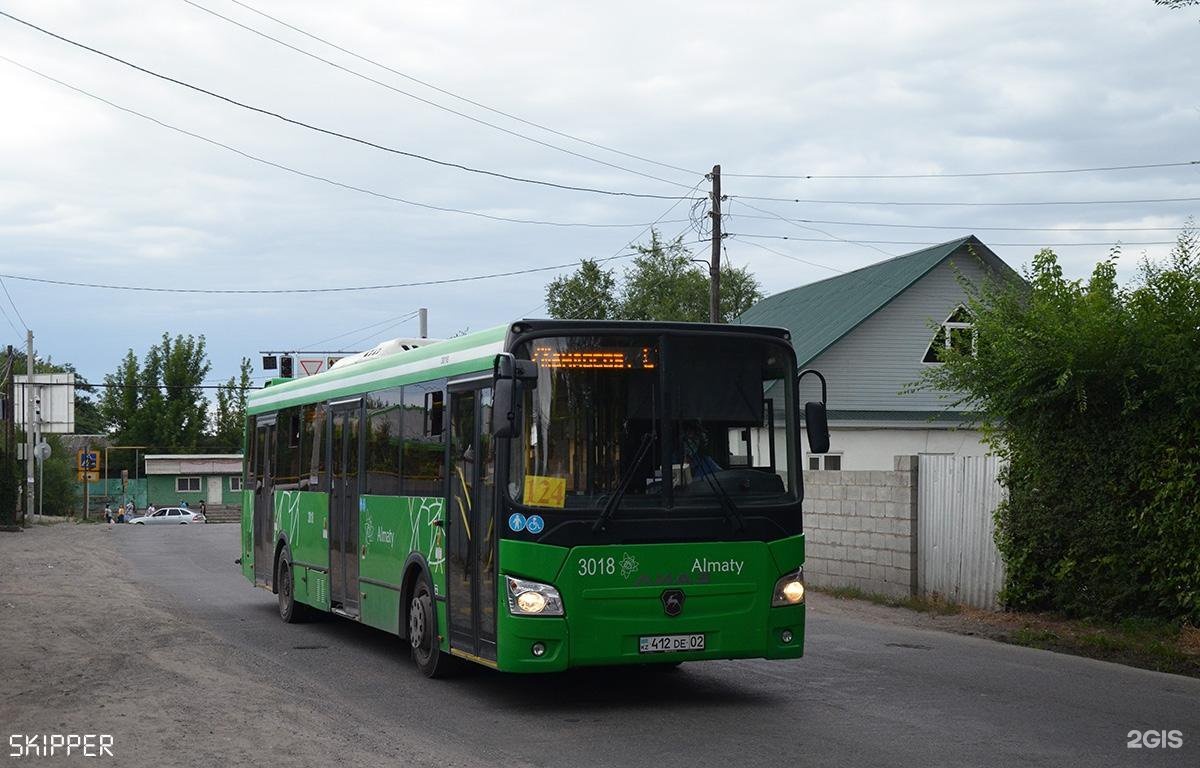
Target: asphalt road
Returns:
[867, 692]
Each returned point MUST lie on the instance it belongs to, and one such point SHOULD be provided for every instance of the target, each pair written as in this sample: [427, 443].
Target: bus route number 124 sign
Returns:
[542, 491]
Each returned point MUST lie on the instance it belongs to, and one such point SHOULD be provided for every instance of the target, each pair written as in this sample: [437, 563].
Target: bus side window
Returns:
[251, 434]
[435, 413]
[383, 442]
[423, 459]
[287, 448]
[312, 448]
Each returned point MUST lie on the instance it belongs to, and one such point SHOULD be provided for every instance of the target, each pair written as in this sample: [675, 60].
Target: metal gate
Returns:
[956, 547]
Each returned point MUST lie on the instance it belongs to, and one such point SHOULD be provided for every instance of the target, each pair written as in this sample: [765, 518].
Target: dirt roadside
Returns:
[85, 651]
[1177, 653]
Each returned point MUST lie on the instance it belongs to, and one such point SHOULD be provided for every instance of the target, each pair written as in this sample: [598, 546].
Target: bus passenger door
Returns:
[264, 503]
[471, 525]
[343, 508]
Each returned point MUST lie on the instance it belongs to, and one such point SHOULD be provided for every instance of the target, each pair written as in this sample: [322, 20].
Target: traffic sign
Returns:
[311, 366]
[41, 451]
[88, 460]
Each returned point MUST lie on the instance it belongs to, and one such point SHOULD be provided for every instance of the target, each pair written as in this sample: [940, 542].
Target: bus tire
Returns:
[423, 634]
[290, 611]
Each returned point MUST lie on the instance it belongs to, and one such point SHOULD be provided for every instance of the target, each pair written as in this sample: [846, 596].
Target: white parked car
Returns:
[170, 515]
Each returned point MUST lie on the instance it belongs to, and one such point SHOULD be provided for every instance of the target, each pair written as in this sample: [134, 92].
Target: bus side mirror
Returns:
[508, 372]
[816, 423]
[504, 408]
[817, 426]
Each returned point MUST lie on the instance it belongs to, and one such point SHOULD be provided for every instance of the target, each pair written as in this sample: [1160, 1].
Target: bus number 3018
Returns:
[590, 566]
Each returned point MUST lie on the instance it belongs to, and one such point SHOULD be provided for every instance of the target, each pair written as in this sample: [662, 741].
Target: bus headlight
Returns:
[532, 598]
[789, 590]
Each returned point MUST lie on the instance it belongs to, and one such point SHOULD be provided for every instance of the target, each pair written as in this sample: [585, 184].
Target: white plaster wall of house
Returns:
[762, 449]
[876, 448]
[867, 368]
[860, 528]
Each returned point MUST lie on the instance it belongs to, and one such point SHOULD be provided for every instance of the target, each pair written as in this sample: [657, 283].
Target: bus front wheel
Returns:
[422, 632]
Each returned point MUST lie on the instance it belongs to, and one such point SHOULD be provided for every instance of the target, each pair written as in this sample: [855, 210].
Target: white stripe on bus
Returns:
[435, 361]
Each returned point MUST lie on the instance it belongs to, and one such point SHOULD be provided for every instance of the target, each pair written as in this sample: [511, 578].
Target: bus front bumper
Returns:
[554, 644]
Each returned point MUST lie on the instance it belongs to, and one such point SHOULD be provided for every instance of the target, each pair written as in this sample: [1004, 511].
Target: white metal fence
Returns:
[956, 548]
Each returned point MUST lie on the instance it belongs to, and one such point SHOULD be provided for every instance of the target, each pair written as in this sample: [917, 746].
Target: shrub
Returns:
[1091, 394]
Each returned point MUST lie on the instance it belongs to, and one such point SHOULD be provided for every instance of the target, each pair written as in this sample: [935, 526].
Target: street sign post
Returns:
[87, 467]
[41, 452]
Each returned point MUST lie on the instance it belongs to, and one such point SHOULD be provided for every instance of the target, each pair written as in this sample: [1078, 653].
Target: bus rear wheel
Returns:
[289, 610]
[422, 633]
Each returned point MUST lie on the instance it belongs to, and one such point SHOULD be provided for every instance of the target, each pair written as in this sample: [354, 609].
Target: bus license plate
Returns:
[666, 643]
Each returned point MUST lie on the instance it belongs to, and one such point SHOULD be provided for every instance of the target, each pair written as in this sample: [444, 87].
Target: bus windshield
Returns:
[684, 420]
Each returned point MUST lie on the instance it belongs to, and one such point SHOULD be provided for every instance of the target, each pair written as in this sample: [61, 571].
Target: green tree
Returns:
[159, 403]
[665, 282]
[1089, 392]
[119, 403]
[58, 480]
[184, 366]
[230, 415]
[588, 293]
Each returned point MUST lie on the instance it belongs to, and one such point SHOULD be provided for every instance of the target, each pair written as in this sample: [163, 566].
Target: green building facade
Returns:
[215, 479]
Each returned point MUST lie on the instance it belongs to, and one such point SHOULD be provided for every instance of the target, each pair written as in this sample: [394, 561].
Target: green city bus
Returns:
[543, 495]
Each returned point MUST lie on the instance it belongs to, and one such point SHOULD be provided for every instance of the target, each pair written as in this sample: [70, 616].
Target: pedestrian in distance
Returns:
[108, 518]
[203, 507]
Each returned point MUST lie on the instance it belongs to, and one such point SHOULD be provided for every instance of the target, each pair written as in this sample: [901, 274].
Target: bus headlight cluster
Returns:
[532, 598]
[789, 590]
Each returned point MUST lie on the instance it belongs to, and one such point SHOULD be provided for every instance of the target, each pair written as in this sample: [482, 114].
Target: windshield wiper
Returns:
[732, 514]
[611, 507]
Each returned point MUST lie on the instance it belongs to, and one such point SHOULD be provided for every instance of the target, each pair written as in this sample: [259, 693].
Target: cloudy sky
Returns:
[92, 194]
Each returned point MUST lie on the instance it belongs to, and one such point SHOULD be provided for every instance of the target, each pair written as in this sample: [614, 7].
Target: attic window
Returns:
[957, 332]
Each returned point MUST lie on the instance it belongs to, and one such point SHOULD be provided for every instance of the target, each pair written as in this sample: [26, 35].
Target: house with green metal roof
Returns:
[871, 333]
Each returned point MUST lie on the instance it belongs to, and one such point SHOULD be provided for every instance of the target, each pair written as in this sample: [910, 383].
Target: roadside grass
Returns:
[1137, 642]
[1147, 643]
[936, 604]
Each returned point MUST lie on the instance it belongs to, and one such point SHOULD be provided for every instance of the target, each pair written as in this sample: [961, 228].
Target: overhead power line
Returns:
[963, 203]
[16, 333]
[774, 217]
[967, 175]
[395, 319]
[332, 133]
[314, 176]
[443, 91]
[257, 291]
[798, 225]
[924, 242]
[15, 310]
[797, 258]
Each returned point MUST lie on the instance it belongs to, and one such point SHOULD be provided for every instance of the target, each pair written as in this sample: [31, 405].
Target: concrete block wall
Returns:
[860, 528]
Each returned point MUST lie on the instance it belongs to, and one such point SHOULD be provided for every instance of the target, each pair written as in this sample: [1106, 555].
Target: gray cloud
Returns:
[88, 193]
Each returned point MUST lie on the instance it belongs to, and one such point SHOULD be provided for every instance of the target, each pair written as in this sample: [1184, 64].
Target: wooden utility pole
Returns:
[27, 506]
[714, 265]
[8, 515]
[87, 478]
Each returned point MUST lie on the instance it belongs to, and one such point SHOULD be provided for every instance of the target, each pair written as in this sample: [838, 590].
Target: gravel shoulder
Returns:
[86, 651]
